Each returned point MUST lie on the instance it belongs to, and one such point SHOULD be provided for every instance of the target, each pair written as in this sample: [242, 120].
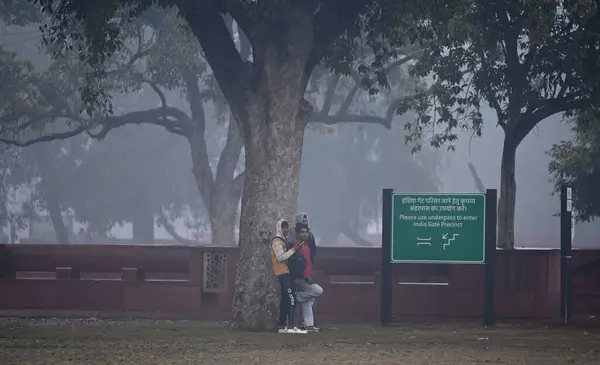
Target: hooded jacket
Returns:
[279, 252]
[312, 245]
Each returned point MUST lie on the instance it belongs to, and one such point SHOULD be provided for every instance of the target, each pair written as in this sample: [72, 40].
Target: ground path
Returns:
[151, 342]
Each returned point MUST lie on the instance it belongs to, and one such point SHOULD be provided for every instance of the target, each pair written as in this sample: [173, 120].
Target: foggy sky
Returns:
[535, 224]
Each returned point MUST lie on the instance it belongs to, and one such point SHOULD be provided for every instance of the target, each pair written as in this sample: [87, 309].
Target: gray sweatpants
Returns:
[305, 295]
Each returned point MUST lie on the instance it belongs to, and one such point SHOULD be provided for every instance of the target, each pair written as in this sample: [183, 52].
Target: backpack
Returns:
[296, 264]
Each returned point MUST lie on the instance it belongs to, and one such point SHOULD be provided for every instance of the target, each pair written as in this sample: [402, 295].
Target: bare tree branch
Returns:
[343, 117]
[220, 51]
[172, 119]
[168, 226]
[230, 155]
[545, 109]
[350, 118]
[478, 182]
[157, 90]
[349, 98]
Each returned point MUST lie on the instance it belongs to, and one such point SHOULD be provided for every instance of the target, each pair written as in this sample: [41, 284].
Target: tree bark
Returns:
[508, 193]
[266, 96]
[272, 122]
[270, 193]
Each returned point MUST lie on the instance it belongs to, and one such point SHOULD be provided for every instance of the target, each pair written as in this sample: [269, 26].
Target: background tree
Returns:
[10, 218]
[525, 61]
[577, 163]
[47, 91]
[147, 65]
[345, 167]
[138, 175]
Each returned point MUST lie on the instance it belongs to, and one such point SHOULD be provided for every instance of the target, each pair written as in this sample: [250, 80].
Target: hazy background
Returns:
[344, 169]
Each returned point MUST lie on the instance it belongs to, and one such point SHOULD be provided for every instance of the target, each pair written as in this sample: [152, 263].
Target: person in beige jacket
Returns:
[279, 256]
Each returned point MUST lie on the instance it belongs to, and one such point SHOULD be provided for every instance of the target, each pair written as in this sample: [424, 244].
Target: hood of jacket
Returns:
[279, 230]
[298, 218]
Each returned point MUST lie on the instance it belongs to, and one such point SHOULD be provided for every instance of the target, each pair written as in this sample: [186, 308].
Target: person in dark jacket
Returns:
[312, 245]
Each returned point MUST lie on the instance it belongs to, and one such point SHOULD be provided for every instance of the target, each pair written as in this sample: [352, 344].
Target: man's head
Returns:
[285, 228]
[301, 218]
[301, 231]
[282, 229]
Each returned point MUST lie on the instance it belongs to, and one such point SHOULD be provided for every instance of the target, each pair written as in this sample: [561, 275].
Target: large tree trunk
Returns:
[267, 100]
[270, 193]
[272, 125]
[508, 193]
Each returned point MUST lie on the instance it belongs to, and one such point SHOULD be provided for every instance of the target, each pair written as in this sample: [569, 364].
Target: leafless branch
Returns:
[157, 90]
[168, 226]
[230, 155]
[349, 98]
[172, 119]
[478, 182]
[350, 118]
[543, 110]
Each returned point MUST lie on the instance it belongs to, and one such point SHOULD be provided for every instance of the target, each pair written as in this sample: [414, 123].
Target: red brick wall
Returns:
[109, 278]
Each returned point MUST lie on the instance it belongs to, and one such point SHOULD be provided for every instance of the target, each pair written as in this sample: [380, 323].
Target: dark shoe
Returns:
[310, 328]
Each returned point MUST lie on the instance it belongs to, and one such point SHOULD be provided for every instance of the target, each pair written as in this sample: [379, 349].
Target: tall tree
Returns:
[577, 163]
[265, 93]
[137, 174]
[147, 64]
[525, 61]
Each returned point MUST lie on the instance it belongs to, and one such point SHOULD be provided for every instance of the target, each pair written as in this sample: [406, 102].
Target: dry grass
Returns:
[139, 342]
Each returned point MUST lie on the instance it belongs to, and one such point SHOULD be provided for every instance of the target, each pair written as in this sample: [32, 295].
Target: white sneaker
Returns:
[284, 330]
[297, 330]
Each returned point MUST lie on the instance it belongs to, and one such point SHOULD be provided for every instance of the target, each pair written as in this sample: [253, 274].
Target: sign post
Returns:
[438, 228]
[387, 272]
[566, 246]
[489, 286]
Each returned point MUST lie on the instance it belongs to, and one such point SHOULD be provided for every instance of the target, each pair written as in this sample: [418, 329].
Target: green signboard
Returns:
[438, 228]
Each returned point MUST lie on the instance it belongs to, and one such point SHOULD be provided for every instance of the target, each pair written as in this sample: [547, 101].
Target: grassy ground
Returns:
[139, 342]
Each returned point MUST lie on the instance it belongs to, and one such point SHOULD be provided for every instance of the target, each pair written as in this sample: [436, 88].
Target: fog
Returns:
[142, 170]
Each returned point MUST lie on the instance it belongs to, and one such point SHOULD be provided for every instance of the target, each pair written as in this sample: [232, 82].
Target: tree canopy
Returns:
[524, 61]
[576, 163]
